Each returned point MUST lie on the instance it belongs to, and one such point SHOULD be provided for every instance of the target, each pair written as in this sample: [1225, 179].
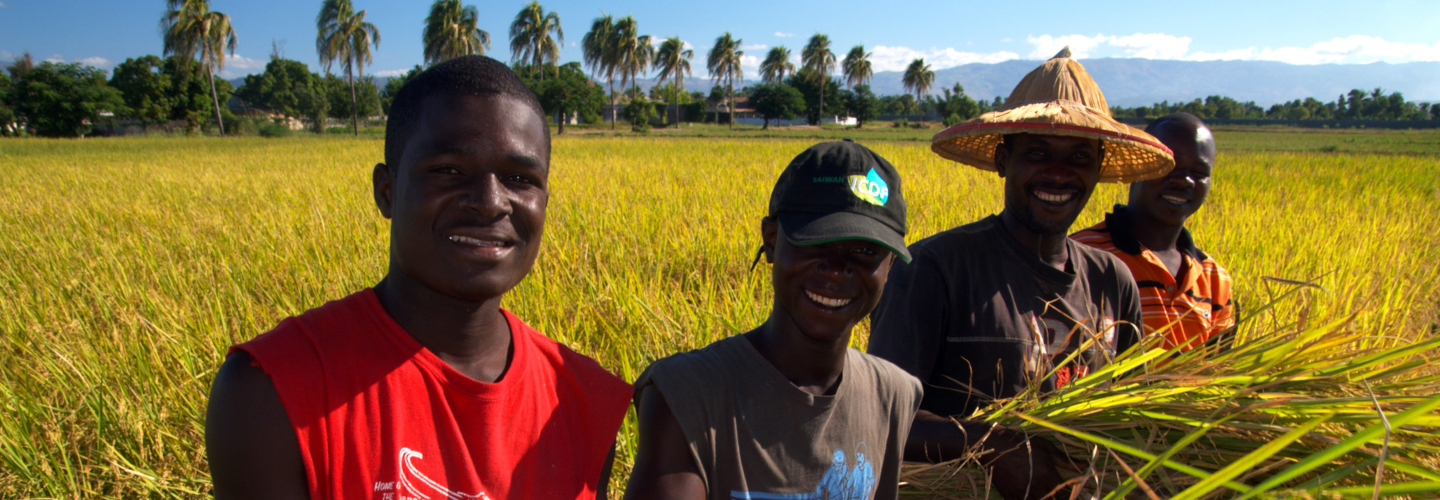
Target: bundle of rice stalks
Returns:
[1307, 412]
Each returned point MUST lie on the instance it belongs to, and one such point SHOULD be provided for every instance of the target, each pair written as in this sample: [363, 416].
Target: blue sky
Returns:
[106, 32]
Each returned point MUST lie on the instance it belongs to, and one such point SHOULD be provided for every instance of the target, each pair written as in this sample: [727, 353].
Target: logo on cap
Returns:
[870, 188]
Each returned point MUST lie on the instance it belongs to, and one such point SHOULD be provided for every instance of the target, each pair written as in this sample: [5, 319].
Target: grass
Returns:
[131, 264]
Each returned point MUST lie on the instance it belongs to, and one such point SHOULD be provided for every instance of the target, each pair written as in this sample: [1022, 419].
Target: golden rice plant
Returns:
[129, 266]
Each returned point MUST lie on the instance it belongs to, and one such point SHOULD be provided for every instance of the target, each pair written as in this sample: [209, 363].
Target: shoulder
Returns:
[956, 239]
[1100, 261]
[1096, 236]
[891, 381]
[705, 365]
[588, 377]
[297, 335]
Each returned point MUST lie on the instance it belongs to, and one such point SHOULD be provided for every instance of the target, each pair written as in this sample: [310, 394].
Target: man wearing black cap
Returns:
[787, 410]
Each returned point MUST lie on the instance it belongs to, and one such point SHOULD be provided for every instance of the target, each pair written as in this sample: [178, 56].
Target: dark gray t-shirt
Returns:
[977, 316]
[753, 434]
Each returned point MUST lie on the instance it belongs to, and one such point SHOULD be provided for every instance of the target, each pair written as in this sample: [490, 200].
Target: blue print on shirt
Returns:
[844, 480]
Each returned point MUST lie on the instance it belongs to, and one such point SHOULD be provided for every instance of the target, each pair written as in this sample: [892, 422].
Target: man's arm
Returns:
[252, 448]
[1021, 467]
[664, 467]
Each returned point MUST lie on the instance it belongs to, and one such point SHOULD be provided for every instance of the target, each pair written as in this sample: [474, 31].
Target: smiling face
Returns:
[824, 290]
[1172, 199]
[467, 199]
[1048, 179]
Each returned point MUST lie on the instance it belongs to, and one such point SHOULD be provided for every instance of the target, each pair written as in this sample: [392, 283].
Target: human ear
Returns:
[769, 231]
[383, 182]
[1002, 156]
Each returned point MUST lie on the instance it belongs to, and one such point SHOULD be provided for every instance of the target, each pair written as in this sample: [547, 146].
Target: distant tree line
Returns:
[1355, 105]
[69, 100]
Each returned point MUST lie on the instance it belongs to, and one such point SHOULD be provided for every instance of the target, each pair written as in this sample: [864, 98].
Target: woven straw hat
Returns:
[1058, 98]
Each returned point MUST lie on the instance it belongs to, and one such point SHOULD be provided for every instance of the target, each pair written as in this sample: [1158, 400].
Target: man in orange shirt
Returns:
[1184, 293]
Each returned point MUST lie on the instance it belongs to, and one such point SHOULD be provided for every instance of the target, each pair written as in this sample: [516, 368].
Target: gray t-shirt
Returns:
[977, 316]
[753, 434]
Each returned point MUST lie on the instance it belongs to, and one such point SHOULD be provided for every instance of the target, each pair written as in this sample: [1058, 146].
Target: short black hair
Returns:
[1177, 119]
[465, 75]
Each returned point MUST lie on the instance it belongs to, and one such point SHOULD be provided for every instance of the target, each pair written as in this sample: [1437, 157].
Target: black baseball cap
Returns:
[841, 191]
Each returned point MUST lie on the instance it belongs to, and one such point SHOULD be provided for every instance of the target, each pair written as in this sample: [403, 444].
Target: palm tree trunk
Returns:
[730, 96]
[820, 120]
[610, 81]
[216, 98]
[354, 103]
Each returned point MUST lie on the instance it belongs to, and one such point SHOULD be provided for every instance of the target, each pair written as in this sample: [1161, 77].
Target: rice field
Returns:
[130, 265]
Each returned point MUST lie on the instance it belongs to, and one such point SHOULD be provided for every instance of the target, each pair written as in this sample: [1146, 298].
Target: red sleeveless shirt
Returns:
[380, 417]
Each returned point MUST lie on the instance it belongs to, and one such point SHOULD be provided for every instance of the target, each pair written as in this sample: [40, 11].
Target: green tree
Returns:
[819, 94]
[776, 65]
[918, 78]
[818, 58]
[723, 63]
[776, 101]
[191, 93]
[279, 87]
[957, 103]
[344, 36]
[863, 105]
[338, 92]
[536, 38]
[145, 88]
[64, 100]
[451, 30]
[601, 55]
[856, 67]
[393, 86]
[7, 113]
[191, 30]
[569, 92]
[673, 61]
[639, 111]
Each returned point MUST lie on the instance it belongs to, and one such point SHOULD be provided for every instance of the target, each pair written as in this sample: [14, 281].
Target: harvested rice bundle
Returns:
[1298, 411]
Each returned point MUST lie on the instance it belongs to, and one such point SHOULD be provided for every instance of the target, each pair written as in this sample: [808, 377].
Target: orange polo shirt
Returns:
[1195, 307]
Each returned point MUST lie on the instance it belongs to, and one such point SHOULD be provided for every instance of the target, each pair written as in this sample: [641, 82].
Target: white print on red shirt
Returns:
[409, 490]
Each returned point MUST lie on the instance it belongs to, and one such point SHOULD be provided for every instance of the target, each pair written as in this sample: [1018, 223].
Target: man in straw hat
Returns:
[1008, 304]
[1185, 294]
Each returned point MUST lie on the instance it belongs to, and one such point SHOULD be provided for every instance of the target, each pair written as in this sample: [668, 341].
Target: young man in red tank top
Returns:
[424, 387]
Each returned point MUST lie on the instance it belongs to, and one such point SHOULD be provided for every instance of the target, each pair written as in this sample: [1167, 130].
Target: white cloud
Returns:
[391, 72]
[750, 64]
[1353, 49]
[885, 58]
[55, 58]
[5, 54]
[238, 65]
[1142, 45]
[1228, 55]
[754, 46]
[1356, 49]
[784, 35]
[97, 61]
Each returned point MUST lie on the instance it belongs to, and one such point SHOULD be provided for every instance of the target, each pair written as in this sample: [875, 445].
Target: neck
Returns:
[814, 366]
[471, 337]
[1153, 234]
[1050, 248]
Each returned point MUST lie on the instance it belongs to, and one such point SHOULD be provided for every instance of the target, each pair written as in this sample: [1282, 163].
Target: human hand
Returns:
[1025, 467]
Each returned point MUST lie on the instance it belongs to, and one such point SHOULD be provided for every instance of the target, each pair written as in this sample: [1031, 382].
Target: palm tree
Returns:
[918, 78]
[633, 51]
[673, 61]
[723, 62]
[600, 55]
[776, 64]
[451, 31]
[344, 36]
[857, 67]
[818, 58]
[190, 29]
[531, 42]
